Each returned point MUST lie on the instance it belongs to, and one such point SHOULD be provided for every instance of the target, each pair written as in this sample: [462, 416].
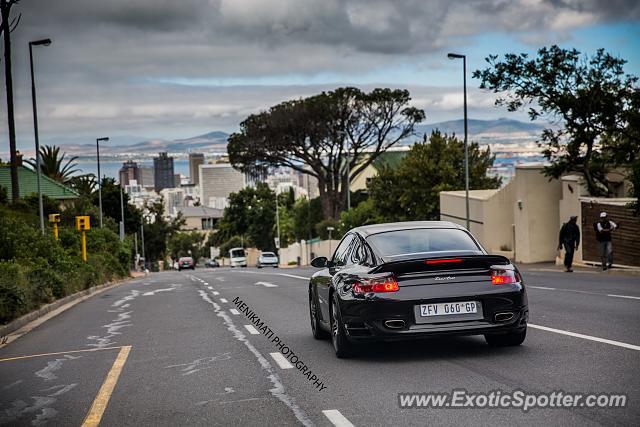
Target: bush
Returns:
[321, 229]
[37, 269]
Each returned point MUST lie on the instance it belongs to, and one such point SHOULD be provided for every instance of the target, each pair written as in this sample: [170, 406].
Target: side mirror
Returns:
[320, 262]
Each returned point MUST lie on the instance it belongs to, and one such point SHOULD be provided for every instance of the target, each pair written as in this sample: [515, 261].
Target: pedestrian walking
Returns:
[569, 239]
[603, 229]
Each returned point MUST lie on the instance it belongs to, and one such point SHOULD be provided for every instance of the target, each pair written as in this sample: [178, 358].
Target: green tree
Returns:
[411, 191]
[320, 134]
[53, 164]
[364, 213]
[85, 185]
[187, 244]
[251, 213]
[111, 205]
[306, 214]
[589, 97]
[158, 231]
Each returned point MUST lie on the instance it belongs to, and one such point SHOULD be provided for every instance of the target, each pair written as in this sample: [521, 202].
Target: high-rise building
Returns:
[147, 180]
[195, 160]
[129, 172]
[217, 182]
[163, 172]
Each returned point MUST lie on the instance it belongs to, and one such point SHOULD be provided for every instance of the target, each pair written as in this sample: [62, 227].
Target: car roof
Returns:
[368, 230]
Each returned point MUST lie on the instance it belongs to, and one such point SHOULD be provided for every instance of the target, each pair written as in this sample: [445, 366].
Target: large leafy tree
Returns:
[588, 97]
[251, 214]
[54, 165]
[411, 191]
[332, 136]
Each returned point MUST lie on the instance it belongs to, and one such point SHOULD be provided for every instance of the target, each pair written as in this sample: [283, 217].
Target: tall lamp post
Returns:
[98, 141]
[466, 145]
[121, 214]
[43, 42]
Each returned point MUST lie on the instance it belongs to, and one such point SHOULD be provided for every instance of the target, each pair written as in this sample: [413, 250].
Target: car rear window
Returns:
[268, 254]
[422, 240]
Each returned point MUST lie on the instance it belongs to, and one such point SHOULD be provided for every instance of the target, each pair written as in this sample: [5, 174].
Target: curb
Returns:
[22, 325]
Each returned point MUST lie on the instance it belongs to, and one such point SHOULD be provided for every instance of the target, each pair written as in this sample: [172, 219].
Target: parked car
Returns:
[415, 280]
[186, 262]
[212, 263]
[237, 257]
[267, 259]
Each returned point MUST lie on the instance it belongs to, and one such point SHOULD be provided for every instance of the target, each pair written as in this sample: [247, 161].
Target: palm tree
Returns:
[53, 165]
[85, 185]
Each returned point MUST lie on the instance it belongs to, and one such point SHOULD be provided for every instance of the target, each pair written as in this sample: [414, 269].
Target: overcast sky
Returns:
[178, 68]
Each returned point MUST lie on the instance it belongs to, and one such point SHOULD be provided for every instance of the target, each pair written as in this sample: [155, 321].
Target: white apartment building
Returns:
[172, 198]
[217, 182]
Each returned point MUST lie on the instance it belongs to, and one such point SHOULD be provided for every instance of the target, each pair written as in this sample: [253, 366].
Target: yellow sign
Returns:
[83, 223]
[54, 217]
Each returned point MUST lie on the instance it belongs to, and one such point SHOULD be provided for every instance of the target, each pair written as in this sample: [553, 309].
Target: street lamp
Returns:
[121, 214]
[43, 42]
[98, 141]
[466, 146]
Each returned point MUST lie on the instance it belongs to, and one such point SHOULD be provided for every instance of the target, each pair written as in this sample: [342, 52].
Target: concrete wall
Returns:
[306, 251]
[536, 215]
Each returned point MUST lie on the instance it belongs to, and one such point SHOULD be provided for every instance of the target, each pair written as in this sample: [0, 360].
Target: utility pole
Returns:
[121, 214]
[7, 26]
[98, 140]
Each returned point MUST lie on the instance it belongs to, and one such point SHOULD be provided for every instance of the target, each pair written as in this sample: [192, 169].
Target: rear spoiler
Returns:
[439, 264]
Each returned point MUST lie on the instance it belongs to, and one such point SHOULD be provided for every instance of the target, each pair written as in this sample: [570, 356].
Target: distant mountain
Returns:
[214, 142]
[500, 127]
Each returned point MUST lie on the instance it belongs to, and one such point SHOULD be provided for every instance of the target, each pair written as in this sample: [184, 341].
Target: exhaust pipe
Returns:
[394, 324]
[504, 316]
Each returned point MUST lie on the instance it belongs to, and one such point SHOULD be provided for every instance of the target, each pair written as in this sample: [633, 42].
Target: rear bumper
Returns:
[366, 320]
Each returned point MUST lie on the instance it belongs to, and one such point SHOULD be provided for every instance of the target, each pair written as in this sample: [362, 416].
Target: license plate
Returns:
[447, 308]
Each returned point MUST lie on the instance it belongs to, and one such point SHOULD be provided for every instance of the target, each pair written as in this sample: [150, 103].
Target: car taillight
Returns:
[376, 285]
[504, 277]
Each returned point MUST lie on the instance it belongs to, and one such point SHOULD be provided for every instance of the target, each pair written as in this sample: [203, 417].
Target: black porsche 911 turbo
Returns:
[415, 280]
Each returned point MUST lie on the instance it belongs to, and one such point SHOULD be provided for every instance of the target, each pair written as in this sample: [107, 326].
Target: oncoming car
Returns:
[267, 259]
[237, 257]
[186, 262]
[414, 280]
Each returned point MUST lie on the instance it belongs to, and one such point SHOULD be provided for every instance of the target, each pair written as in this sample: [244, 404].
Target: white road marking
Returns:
[216, 293]
[267, 284]
[586, 337]
[336, 418]
[252, 330]
[294, 276]
[622, 296]
[223, 300]
[205, 283]
[583, 292]
[210, 287]
[281, 360]
[234, 311]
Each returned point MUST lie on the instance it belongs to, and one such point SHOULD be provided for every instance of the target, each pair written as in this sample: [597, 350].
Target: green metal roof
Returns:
[28, 182]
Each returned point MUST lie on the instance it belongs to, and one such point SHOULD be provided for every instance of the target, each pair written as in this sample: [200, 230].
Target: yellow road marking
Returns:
[104, 394]
[57, 353]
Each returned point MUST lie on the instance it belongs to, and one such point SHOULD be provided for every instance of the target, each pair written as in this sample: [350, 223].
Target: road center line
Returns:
[223, 300]
[234, 311]
[104, 394]
[252, 330]
[543, 287]
[336, 418]
[587, 337]
[216, 293]
[281, 360]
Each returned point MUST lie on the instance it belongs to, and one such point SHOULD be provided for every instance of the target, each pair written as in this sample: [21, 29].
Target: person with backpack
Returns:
[603, 229]
[569, 239]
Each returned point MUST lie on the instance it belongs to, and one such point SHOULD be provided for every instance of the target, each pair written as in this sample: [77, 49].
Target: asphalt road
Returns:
[168, 349]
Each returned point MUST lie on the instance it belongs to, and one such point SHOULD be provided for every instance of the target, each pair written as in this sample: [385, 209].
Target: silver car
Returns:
[267, 259]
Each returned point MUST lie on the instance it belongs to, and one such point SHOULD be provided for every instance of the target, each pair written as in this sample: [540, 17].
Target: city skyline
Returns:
[175, 70]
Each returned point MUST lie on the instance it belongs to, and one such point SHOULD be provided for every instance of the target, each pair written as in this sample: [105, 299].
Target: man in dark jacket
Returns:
[570, 239]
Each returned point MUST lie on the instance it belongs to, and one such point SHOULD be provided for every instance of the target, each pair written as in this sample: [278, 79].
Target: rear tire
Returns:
[342, 346]
[509, 339]
[316, 330]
